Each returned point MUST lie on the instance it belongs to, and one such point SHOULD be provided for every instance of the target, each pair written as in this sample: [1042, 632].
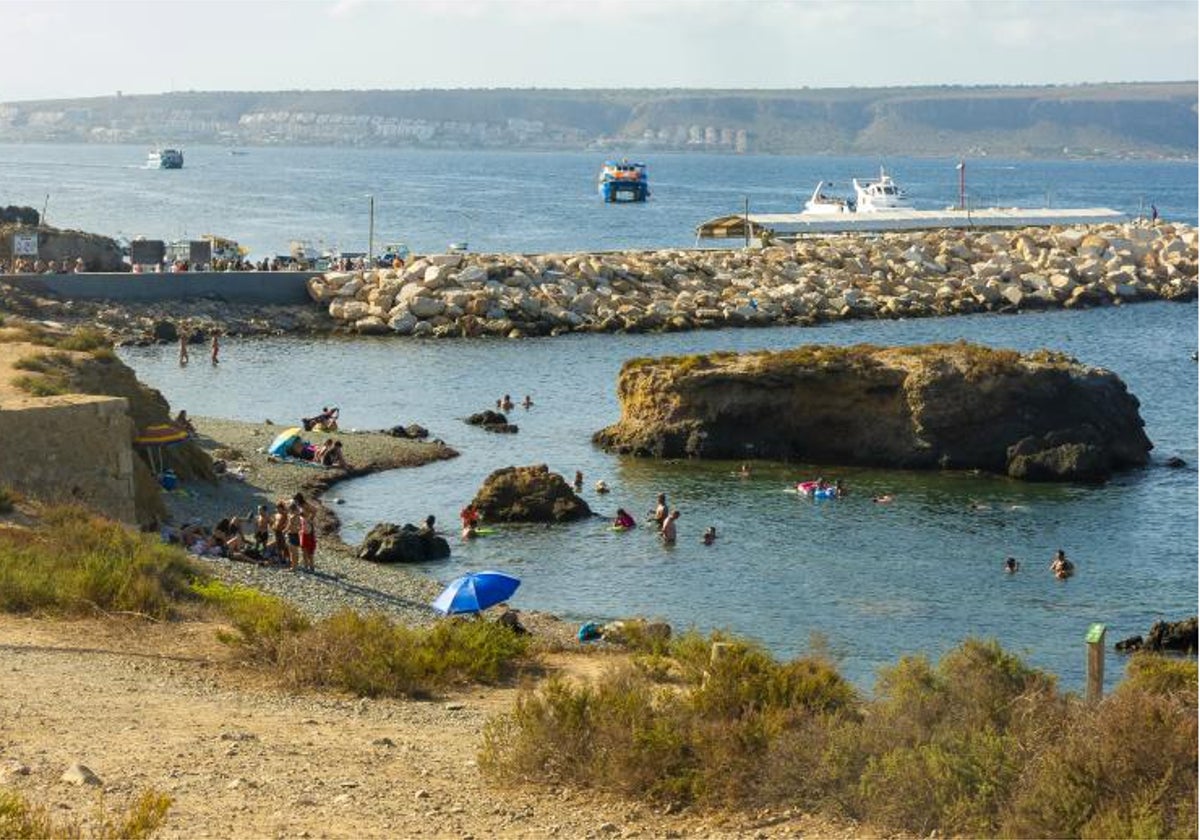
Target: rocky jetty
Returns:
[390, 543]
[1038, 416]
[1173, 636]
[528, 494]
[818, 279]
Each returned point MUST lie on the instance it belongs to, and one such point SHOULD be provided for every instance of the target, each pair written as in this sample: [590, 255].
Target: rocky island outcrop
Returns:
[816, 280]
[1037, 416]
[528, 494]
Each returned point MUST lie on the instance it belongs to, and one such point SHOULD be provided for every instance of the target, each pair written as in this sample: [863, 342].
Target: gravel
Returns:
[341, 579]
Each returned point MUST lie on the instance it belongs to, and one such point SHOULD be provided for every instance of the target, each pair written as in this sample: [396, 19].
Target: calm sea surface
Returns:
[876, 581]
[515, 201]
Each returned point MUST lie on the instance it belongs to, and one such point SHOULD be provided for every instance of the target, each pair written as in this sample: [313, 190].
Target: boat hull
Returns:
[620, 192]
[794, 224]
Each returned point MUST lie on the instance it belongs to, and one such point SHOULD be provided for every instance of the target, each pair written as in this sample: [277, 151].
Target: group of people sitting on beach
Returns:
[286, 536]
[327, 454]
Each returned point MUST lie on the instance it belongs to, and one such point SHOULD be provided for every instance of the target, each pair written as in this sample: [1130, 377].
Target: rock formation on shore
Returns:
[1039, 416]
[390, 543]
[818, 279]
[528, 494]
[1173, 636]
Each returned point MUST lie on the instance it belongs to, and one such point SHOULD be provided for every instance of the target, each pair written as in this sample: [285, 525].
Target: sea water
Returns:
[514, 201]
[873, 582]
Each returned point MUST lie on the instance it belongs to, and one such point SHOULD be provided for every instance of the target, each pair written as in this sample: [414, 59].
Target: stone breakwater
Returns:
[829, 278]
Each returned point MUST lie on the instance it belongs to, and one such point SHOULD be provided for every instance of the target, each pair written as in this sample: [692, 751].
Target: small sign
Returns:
[25, 244]
[1095, 634]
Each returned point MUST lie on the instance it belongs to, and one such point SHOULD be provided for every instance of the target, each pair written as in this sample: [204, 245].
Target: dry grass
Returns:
[977, 745]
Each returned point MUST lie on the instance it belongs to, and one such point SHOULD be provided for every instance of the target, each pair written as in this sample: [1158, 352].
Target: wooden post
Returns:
[1095, 675]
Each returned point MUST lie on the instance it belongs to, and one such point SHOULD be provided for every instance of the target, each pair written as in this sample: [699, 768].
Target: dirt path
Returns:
[165, 706]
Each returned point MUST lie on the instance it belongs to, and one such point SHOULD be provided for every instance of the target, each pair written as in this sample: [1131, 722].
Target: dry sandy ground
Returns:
[165, 706]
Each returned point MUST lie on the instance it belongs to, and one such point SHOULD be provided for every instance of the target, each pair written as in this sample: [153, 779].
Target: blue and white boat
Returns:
[622, 181]
[165, 159]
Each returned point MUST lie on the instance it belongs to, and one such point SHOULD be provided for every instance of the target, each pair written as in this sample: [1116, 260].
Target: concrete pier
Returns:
[255, 287]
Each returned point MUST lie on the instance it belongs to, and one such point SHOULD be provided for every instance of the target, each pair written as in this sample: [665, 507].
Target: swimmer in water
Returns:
[1011, 565]
[710, 535]
[882, 500]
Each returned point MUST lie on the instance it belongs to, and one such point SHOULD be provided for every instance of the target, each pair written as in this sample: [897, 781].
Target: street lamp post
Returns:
[370, 231]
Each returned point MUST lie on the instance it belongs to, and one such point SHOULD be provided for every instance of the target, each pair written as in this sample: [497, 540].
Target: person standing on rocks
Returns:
[216, 347]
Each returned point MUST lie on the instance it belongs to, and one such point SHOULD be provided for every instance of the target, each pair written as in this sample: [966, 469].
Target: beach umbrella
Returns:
[476, 591]
[154, 438]
[283, 440]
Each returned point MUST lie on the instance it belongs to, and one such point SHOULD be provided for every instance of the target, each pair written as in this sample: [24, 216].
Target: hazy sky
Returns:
[69, 49]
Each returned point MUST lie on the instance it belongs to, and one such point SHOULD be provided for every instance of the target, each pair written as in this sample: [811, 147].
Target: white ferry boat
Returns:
[165, 159]
[879, 205]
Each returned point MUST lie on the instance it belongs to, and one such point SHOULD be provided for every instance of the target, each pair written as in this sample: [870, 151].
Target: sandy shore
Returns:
[342, 580]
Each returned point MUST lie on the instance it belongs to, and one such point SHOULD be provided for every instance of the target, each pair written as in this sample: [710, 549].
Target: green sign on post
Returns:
[1095, 634]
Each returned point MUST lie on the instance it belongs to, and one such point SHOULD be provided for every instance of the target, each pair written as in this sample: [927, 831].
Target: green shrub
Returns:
[1123, 768]
[1155, 674]
[372, 656]
[142, 820]
[622, 734]
[977, 745]
[84, 340]
[76, 563]
[41, 386]
[20, 820]
[263, 621]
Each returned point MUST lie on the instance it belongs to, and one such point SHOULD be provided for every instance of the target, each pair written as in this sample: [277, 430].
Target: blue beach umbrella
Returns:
[476, 591]
[281, 443]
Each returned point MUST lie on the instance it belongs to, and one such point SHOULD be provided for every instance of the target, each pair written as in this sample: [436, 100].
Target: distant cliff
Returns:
[1117, 120]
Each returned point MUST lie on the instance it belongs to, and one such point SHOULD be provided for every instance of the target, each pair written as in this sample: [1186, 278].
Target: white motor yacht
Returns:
[879, 194]
[821, 204]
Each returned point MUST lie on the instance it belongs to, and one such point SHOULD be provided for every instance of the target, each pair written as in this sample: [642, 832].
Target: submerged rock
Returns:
[528, 494]
[1041, 416]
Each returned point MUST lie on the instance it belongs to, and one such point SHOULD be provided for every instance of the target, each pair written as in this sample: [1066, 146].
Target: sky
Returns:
[79, 49]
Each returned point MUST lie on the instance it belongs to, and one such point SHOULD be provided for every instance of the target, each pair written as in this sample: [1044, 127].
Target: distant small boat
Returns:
[238, 152]
[623, 181]
[165, 159]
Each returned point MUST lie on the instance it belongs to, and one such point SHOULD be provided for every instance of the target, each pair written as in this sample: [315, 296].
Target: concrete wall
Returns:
[262, 287]
[71, 449]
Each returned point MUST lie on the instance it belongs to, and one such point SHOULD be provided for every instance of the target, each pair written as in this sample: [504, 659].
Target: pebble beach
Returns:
[341, 580]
